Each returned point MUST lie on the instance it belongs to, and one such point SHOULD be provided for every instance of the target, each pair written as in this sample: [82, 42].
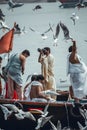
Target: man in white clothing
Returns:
[78, 73]
[47, 67]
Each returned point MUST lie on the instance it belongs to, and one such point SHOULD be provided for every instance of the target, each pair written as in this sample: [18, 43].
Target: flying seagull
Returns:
[80, 4]
[4, 26]
[81, 127]
[37, 7]
[59, 127]
[65, 31]
[6, 112]
[2, 15]
[42, 34]
[18, 30]
[56, 33]
[14, 4]
[12, 107]
[42, 121]
[74, 17]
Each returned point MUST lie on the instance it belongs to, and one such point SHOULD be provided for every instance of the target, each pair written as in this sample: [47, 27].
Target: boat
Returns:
[67, 112]
[71, 3]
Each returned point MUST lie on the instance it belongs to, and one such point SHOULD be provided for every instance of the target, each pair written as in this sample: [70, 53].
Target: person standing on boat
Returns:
[15, 69]
[78, 73]
[47, 68]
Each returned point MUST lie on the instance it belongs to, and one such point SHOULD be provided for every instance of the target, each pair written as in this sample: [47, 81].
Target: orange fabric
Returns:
[6, 42]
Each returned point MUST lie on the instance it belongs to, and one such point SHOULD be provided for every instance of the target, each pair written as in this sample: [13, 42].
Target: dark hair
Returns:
[47, 48]
[40, 77]
[70, 49]
[34, 77]
[0, 58]
[27, 52]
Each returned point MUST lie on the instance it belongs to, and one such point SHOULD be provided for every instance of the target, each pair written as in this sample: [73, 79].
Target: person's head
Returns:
[34, 77]
[26, 53]
[47, 50]
[40, 78]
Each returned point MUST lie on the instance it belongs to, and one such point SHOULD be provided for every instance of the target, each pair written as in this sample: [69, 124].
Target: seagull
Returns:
[42, 34]
[27, 115]
[74, 17]
[12, 107]
[4, 26]
[18, 30]
[1, 13]
[56, 33]
[19, 113]
[14, 4]
[50, 92]
[81, 127]
[80, 4]
[65, 31]
[6, 112]
[19, 116]
[42, 121]
[37, 7]
[83, 112]
[58, 125]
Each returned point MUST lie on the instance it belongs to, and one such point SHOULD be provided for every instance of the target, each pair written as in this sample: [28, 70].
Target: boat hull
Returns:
[60, 110]
[70, 3]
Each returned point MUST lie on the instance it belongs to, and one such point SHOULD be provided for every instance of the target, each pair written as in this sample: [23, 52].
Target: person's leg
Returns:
[19, 91]
[10, 91]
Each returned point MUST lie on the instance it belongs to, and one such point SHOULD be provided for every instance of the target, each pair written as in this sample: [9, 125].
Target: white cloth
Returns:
[78, 78]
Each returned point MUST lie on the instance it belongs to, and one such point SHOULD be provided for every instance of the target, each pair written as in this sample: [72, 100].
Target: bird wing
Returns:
[57, 30]
[65, 31]
[45, 120]
[34, 30]
[53, 126]
[48, 29]
[59, 125]
[46, 108]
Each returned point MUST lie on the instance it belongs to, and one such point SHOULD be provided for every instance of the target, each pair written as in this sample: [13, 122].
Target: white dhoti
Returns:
[78, 79]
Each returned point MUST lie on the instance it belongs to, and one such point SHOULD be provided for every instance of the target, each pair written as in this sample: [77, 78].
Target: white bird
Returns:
[50, 92]
[43, 35]
[81, 127]
[80, 4]
[59, 127]
[42, 121]
[12, 107]
[55, 34]
[14, 4]
[74, 17]
[65, 31]
[4, 26]
[27, 115]
[20, 31]
[6, 112]
[19, 116]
